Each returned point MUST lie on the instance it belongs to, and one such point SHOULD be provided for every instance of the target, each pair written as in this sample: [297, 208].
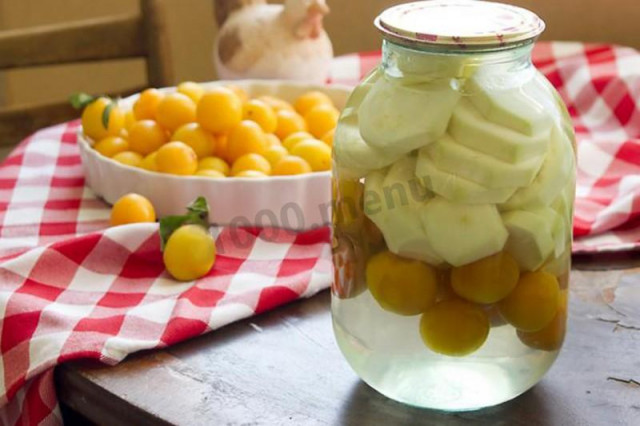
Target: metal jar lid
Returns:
[472, 24]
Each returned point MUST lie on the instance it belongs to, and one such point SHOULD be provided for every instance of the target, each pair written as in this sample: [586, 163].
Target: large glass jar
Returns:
[454, 181]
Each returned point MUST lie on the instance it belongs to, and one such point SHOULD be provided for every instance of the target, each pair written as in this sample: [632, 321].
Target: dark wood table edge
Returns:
[94, 402]
[97, 404]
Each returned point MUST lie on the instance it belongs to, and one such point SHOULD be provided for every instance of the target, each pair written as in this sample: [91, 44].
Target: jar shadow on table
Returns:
[365, 406]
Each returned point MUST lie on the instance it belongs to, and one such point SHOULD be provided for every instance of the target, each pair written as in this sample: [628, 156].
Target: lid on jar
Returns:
[461, 24]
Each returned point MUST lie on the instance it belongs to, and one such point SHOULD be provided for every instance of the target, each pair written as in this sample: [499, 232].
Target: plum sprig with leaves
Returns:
[81, 100]
[197, 214]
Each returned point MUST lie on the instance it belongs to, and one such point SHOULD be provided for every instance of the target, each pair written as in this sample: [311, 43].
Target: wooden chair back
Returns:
[118, 37]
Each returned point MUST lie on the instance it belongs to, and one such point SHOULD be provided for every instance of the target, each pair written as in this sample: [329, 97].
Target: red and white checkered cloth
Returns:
[106, 294]
[70, 288]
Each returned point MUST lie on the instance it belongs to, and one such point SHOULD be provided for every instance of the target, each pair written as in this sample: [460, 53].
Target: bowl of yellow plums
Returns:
[259, 151]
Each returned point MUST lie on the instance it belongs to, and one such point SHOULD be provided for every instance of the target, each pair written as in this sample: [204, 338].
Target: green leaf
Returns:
[106, 113]
[199, 206]
[81, 100]
[168, 225]
[197, 214]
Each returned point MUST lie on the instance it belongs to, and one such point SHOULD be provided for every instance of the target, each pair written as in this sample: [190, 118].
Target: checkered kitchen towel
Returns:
[71, 289]
[106, 294]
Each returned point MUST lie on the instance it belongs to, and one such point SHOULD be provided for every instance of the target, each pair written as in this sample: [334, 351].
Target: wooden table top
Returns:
[284, 368]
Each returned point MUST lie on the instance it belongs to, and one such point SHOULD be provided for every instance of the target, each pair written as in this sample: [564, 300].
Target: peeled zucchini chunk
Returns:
[541, 90]
[469, 128]
[392, 201]
[401, 186]
[354, 157]
[434, 66]
[360, 92]
[552, 177]
[463, 233]
[405, 237]
[459, 160]
[563, 228]
[353, 153]
[455, 188]
[563, 204]
[397, 119]
[530, 236]
[559, 233]
[513, 108]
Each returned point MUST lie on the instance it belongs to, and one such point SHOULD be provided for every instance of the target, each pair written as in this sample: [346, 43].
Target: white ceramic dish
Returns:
[294, 202]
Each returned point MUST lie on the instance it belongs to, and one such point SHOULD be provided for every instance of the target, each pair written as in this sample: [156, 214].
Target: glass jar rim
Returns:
[459, 25]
